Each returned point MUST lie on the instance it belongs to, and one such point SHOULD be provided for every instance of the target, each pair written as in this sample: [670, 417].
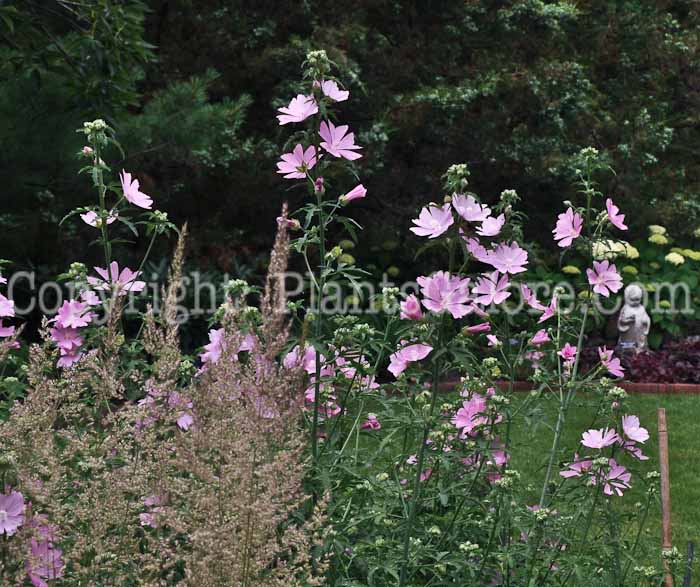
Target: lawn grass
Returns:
[531, 447]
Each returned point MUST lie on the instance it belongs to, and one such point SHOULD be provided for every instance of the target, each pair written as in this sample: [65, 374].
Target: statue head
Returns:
[633, 295]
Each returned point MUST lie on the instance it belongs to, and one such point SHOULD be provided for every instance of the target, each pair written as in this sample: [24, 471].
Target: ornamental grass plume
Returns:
[199, 483]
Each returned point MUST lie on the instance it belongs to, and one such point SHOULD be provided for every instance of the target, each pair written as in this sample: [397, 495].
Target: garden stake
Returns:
[665, 490]
[689, 564]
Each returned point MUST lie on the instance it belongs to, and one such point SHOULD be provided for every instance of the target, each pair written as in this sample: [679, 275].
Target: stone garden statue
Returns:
[634, 322]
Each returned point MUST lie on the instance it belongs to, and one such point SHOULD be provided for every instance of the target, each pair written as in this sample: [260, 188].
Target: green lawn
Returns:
[531, 447]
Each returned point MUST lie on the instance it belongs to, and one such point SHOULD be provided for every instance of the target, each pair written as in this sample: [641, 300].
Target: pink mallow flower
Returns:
[477, 250]
[599, 438]
[469, 209]
[541, 337]
[6, 331]
[577, 468]
[338, 141]
[568, 227]
[568, 353]
[410, 308]
[604, 278]
[491, 289]
[91, 218]
[294, 165]
[73, 314]
[132, 193]
[331, 90]
[549, 311]
[442, 292]
[433, 221]
[471, 415]
[491, 226]
[121, 281]
[398, 361]
[67, 340]
[530, 299]
[478, 328]
[508, 258]
[359, 191]
[611, 363]
[7, 307]
[632, 429]
[372, 423]
[299, 109]
[44, 562]
[616, 219]
[617, 479]
[11, 512]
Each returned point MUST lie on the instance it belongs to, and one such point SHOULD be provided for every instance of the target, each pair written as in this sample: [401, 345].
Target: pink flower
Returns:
[632, 429]
[11, 512]
[530, 298]
[443, 292]
[479, 328]
[299, 109]
[469, 209]
[549, 311]
[44, 560]
[331, 90]
[73, 314]
[604, 278]
[612, 364]
[6, 331]
[599, 438]
[132, 192]
[355, 193]
[410, 308]
[307, 360]
[425, 474]
[577, 468]
[568, 353]
[412, 460]
[471, 415]
[185, 421]
[491, 226]
[87, 150]
[122, 282]
[409, 354]
[568, 227]
[433, 221]
[337, 142]
[616, 219]
[294, 165]
[491, 289]
[477, 250]
[541, 337]
[617, 479]
[90, 298]
[493, 340]
[213, 351]
[68, 359]
[7, 307]
[91, 218]
[508, 258]
[372, 423]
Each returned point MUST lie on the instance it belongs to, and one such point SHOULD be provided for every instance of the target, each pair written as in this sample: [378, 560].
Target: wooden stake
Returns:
[665, 490]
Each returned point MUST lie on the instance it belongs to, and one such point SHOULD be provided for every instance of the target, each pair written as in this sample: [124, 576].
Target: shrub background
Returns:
[512, 88]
